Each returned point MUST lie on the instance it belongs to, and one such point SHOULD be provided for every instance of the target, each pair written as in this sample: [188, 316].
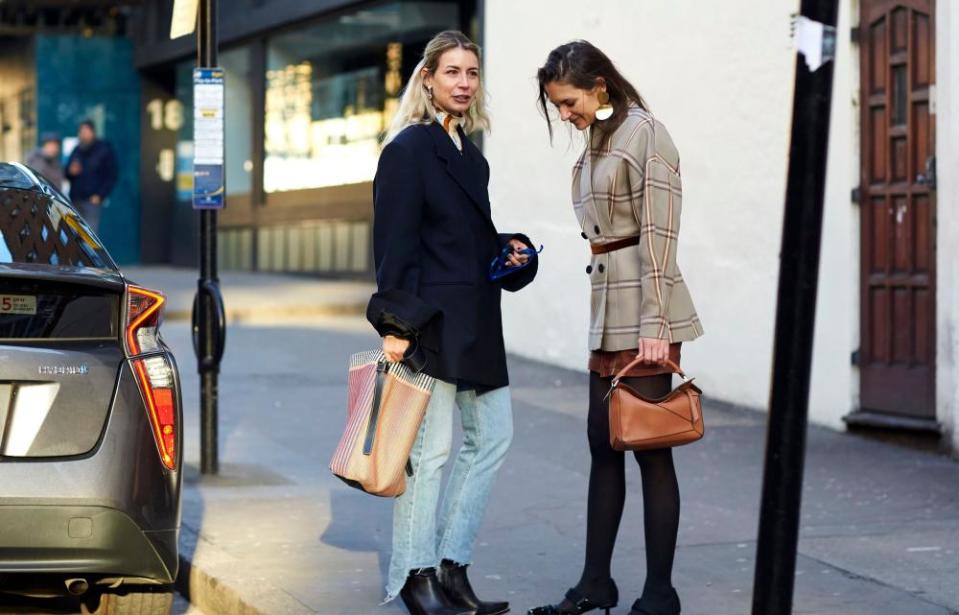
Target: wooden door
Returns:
[898, 306]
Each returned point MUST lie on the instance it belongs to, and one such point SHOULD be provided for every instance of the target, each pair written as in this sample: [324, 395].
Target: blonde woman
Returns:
[438, 305]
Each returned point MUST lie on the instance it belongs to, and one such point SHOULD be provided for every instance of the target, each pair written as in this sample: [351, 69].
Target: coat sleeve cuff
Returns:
[399, 313]
[524, 276]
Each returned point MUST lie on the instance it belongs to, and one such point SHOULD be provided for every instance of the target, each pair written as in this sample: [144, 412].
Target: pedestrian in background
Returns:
[433, 243]
[92, 171]
[627, 196]
[45, 159]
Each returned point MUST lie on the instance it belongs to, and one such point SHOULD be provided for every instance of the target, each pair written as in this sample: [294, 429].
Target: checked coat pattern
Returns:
[623, 186]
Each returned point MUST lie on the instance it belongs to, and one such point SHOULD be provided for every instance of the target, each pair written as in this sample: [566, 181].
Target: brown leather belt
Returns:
[612, 246]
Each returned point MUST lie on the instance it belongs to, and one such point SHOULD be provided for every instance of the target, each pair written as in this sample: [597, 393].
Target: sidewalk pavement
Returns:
[276, 533]
[256, 297]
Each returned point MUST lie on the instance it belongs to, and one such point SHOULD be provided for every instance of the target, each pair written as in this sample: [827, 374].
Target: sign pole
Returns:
[776, 551]
[209, 195]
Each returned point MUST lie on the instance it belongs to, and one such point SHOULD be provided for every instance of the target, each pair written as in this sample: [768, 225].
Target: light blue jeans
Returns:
[421, 539]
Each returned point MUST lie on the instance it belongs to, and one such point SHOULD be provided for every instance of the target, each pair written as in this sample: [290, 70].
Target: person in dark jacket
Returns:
[434, 242]
[46, 159]
[92, 171]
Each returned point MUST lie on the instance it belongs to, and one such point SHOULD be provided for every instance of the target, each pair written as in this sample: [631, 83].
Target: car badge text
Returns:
[64, 370]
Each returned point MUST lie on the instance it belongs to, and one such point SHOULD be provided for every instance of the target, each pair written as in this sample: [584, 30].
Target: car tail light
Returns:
[144, 314]
[155, 374]
[155, 377]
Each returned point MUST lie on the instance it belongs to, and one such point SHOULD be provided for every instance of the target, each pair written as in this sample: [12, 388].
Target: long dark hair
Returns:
[580, 64]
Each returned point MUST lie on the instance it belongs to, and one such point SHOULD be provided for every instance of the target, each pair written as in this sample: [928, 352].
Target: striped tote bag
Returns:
[387, 402]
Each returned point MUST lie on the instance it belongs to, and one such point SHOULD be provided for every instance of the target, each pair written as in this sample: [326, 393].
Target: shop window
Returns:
[239, 120]
[331, 89]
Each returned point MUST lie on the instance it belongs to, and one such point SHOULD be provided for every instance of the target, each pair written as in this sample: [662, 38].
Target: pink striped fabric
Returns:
[403, 403]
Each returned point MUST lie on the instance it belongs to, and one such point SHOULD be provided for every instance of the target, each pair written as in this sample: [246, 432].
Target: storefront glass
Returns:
[331, 90]
[239, 119]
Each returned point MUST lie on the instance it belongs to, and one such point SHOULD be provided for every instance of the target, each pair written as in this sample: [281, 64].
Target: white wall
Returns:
[723, 87]
[834, 388]
[947, 213]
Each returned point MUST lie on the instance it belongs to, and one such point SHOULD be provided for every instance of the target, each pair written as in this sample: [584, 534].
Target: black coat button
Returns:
[589, 269]
[596, 228]
[585, 236]
[602, 268]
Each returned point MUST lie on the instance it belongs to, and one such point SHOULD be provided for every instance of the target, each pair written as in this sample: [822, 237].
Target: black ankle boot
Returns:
[457, 586]
[423, 595]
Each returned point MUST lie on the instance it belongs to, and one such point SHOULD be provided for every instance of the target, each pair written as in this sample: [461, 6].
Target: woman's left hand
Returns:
[515, 259]
[652, 350]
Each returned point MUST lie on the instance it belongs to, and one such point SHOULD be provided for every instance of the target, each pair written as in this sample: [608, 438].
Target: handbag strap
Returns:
[676, 369]
[381, 368]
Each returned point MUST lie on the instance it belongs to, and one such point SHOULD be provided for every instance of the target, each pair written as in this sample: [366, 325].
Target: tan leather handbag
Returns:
[387, 402]
[637, 422]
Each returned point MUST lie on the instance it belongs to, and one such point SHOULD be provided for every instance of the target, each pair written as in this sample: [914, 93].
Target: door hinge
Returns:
[854, 34]
[856, 195]
[854, 357]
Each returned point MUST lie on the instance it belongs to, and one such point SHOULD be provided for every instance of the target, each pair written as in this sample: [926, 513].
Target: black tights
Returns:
[607, 494]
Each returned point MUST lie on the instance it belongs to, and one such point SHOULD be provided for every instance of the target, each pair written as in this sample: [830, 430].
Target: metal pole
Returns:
[208, 325]
[795, 320]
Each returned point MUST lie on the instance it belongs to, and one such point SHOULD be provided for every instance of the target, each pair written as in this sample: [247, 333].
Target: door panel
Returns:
[897, 358]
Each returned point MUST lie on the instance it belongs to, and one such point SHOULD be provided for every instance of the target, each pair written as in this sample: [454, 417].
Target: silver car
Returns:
[90, 415]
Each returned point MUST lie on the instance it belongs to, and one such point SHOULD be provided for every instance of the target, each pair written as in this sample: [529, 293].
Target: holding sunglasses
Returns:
[500, 266]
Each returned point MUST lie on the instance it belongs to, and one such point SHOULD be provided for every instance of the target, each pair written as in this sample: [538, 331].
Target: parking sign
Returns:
[209, 181]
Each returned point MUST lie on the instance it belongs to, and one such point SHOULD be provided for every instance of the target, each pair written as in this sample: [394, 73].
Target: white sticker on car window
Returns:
[18, 304]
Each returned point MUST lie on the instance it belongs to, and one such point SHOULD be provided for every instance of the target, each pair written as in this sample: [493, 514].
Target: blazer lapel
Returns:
[587, 201]
[462, 167]
[591, 216]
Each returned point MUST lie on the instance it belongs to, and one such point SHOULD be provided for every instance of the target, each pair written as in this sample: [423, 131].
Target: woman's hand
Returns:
[652, 350]
[515, 259]
[394, 348]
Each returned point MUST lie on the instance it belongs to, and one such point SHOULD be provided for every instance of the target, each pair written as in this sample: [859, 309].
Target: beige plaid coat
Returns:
[625, 186]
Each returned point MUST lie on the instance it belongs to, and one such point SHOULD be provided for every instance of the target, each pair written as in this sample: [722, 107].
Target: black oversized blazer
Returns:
[433, 240]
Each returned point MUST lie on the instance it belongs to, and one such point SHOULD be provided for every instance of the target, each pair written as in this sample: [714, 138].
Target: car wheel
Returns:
[157, 602]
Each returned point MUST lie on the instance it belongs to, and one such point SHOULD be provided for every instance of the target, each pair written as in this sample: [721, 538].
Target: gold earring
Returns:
[605, 110]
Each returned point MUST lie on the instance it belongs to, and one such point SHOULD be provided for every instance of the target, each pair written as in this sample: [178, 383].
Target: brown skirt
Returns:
[608, 363]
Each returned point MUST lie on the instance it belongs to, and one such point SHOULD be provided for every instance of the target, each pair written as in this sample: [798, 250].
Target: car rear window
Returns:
[41, 310]
[39, 227]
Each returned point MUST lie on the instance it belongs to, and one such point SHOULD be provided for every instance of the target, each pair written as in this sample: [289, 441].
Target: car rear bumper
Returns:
[86, 541]
[111, 514]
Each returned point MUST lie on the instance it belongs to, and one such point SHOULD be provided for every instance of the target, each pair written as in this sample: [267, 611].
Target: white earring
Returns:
[429, 93]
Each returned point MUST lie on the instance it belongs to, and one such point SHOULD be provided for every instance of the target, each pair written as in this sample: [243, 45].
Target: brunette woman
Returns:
[627, 196]
[434, 243]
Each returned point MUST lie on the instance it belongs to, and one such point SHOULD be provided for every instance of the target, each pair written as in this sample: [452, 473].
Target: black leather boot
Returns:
[423, 595]
[457, 586]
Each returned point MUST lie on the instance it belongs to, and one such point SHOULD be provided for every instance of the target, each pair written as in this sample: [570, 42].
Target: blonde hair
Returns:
[416, 107]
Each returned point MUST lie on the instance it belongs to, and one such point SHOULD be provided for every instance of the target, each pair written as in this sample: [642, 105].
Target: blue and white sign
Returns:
[209, 178]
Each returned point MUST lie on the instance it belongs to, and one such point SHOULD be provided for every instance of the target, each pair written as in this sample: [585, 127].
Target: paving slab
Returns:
[256, 297]
[276, 533]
